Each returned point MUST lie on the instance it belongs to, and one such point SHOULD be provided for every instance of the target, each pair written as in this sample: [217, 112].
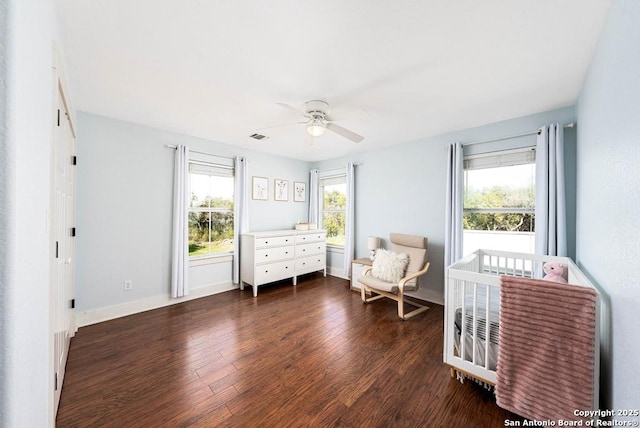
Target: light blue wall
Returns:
[402, 188]
[125, 176]
[608, 200]
[125, 190]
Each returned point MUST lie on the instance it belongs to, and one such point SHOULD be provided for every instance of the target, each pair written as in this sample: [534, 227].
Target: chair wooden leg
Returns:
[421, 309]
[397, 297]
[363, 295]
[405, 316]
[373, 298]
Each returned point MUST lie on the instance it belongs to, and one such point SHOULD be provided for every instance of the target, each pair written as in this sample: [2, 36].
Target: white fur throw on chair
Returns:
[389, 266]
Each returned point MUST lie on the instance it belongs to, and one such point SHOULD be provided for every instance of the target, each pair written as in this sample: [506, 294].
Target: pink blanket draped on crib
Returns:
[547, 347]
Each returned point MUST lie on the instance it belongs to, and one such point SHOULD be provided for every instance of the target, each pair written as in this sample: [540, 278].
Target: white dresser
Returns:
[280, 254]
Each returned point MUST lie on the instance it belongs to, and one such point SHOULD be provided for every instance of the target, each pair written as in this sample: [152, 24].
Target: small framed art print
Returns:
[281, 190]
[260, 188]
[299, 191]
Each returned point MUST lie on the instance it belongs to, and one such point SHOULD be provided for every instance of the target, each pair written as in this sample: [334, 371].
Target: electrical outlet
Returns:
[128, 285]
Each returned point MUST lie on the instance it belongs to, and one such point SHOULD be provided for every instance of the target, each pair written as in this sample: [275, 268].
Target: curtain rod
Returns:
[537, 131]
[217, 165]
[339, 168]
[169, 146]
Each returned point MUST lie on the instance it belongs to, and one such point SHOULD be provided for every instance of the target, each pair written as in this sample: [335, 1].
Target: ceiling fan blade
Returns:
[349, 135]
[282, 124]
[292, 108]
[356, 113]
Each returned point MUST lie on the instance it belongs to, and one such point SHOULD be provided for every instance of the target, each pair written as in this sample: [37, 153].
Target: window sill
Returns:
[335, 249]
[209, 260]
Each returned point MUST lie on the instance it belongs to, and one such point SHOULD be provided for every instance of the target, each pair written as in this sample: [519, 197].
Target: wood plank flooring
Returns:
[307, 356]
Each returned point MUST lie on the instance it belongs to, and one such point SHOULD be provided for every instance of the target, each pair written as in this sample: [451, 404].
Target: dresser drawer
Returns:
[274, 241]
[311, 237]
[266, 255]
[274, 271]
[303, 250]
[313, 262]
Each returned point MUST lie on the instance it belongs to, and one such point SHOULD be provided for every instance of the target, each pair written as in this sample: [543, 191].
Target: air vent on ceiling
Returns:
[258, 136]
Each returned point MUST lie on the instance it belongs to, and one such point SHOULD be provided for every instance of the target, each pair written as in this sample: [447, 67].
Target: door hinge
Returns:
[55, 382]
[73, 303]
[73, 231]
[74, 160]
[58, 117]
[57, 252]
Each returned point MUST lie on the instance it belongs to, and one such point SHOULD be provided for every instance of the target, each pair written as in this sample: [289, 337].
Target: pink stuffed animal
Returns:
[554, 272]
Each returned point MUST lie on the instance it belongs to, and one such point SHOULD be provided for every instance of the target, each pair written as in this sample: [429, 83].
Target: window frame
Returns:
[492, 160]
[333, 179]
[502, 158]
[203, 259]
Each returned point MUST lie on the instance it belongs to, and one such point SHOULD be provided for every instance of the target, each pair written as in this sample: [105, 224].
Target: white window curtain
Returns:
[240, 212]
[314, 186]
[349, 247]
[551, 218]
[180, 249]
[453, 208]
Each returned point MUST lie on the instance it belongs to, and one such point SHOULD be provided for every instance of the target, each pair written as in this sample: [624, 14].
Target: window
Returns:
[210, 209]
[499, 201]
[333, 206]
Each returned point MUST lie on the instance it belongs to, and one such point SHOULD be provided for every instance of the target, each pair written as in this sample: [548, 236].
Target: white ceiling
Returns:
[215, 69]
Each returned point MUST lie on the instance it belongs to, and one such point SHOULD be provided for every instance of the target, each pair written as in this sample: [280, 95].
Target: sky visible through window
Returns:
[210, 186]
[342, 188]
[498, 208]
[517, 176]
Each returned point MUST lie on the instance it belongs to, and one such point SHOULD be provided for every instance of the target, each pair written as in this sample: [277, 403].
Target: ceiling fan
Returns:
[317, 120]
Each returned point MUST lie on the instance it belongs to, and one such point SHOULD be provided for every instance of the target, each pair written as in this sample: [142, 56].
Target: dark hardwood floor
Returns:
[308, 356]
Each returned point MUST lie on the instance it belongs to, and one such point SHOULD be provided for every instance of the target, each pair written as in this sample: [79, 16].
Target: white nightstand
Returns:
[357, 266]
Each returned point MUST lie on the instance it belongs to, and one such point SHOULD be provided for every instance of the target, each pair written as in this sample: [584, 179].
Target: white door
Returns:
[62, 240]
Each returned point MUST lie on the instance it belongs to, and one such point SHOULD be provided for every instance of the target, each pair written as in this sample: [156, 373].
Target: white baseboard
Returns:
[428, 296]
[95, 316]
[337, 272]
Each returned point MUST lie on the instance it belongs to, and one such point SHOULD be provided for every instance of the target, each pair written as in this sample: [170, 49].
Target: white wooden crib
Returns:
[472, 309]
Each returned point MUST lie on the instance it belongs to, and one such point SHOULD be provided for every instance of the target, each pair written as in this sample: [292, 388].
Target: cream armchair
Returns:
[417, 249]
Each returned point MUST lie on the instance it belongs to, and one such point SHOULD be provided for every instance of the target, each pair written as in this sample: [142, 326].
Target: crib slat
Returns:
[475, 323]
[463, 322]
[487, 323]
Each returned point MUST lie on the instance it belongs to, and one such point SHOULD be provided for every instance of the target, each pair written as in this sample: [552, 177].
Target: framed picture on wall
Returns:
[299, 191]
[281, 190]
[260, 188]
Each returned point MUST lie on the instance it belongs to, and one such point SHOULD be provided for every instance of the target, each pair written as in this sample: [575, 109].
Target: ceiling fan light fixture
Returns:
[316, 128]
